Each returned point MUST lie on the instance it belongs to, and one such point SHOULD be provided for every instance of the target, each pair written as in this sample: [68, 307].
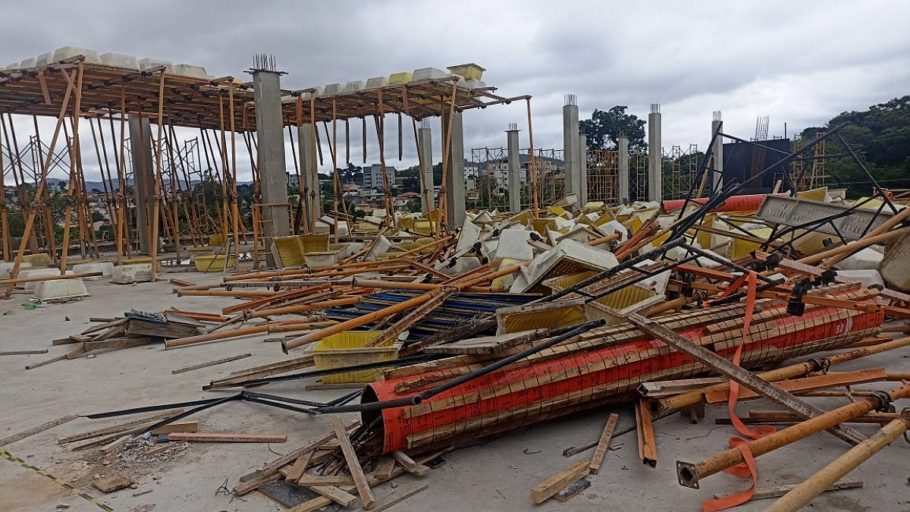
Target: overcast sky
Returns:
[797, 62]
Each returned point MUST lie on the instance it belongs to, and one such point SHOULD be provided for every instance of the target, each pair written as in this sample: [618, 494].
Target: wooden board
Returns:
[36, 430]
[225, 437]
[363, 489]
[601, 451]
[549, 487]
[487, 344]
[335, 494]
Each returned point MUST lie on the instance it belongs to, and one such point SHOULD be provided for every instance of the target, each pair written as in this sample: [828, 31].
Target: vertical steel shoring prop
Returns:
[225, 174]
[153, 248]
[189, 207]
[123, 232]
[303, 181]
[315, 192]
[42, 182]
[447, 147]
[336, 184]
[77, 106]
[4, 217]
[46, 220]
[175, 191]
[298, 210]
[102, 161]
[532, 167]
[235, 211]
[427, 195]
[379, 119]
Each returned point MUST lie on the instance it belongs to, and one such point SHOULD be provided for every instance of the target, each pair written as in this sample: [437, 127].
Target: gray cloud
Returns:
[800, 63]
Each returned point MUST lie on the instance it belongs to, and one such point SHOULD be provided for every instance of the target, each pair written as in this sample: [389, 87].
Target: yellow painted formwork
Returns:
[289, 250]
[623, 301]
[347, 349]
[214, 262]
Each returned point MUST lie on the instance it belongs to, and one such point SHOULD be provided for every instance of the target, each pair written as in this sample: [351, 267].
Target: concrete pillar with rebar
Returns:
[717, 158]
[144, 176]
[270, 157]
[655, 157]
[425, 143]
[582, 169]
[455, 194]
[622, 179]
[514, 168]
[570, 143]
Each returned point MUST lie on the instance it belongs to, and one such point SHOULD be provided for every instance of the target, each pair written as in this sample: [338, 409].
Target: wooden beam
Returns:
[224, 437]
[601, 450]
[551, 486]
[360, 481]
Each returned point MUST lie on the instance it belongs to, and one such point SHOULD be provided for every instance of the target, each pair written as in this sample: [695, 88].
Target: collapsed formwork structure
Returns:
[486, 321]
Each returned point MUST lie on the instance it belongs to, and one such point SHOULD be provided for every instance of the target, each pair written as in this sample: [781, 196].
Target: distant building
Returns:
[372, 176]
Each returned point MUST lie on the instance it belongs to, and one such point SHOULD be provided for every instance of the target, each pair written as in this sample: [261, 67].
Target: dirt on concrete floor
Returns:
[493, 475]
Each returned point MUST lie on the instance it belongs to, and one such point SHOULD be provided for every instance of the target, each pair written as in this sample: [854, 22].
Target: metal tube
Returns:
[690, 474]
[802, 494]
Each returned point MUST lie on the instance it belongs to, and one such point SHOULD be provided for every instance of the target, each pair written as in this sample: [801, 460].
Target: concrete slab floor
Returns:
[494, 475]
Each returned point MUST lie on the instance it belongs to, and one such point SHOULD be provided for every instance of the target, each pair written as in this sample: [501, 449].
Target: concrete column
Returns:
[425, 141]
[570, 143]
[455, 196]
[310, 172]
[655, 178]
[622, 180]
[270, 157]
[514, 168]
[718, 153]
[582, 169]
[143, 176]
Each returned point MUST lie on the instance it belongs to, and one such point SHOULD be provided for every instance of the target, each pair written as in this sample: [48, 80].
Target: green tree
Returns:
[605, 127]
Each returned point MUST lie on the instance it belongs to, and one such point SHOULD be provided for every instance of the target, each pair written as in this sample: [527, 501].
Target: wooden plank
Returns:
[776, 491]
[299, 466]
[45, 362]
[117, 343]
[36, 430]
[224, 437]
[310, 480]
[409, 465]
[120, 427]
[384, 467]
[22, 352]
[179, 426]
[210, 363]
[291, 456]
[363, 489]
[549, 487]
[254, 483]
[335, 494]
[601, 451]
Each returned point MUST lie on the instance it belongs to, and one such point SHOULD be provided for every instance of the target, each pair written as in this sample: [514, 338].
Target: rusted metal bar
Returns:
[647, 445]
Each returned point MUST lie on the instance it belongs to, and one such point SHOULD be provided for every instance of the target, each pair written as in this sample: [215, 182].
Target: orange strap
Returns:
[747, 469]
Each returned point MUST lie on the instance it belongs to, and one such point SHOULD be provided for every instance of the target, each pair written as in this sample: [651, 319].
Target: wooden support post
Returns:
[532, 164]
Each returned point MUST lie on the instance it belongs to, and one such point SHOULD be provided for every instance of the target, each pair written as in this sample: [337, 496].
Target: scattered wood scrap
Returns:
[222, 437]
[210, 363]
[113, 482]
